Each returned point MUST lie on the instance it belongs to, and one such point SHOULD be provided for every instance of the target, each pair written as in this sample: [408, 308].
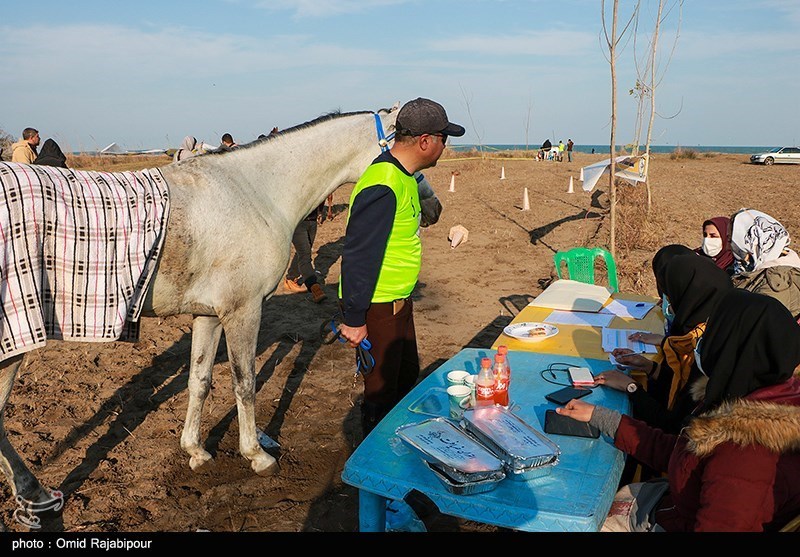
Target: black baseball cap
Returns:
[422, 116]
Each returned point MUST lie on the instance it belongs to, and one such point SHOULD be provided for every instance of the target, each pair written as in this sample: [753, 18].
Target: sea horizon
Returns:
[597, 149]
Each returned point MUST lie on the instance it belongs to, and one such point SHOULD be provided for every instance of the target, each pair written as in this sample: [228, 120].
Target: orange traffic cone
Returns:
[526, 204]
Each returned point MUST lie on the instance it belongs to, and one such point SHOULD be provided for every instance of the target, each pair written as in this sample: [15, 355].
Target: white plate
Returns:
[520, 331]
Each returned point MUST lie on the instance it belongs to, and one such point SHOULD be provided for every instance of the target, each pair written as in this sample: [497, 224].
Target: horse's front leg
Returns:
[241, 332]
[206, 332]
[23, 483]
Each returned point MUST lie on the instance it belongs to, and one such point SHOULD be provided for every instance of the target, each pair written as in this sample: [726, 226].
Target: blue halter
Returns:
[383, 140]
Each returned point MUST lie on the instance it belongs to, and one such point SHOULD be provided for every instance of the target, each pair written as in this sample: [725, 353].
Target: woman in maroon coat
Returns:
[736, 464]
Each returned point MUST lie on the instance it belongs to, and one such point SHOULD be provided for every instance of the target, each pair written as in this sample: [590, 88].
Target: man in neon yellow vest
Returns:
[382, 256]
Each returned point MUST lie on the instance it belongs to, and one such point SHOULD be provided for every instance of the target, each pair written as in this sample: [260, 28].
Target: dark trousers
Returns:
[394, 347]
[303, 242]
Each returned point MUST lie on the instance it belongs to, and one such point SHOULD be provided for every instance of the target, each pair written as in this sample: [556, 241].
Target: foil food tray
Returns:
[439, 442]
[525, 452]
[465, 484]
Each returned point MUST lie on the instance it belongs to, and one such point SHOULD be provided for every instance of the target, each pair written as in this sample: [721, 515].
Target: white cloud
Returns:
[324, 8]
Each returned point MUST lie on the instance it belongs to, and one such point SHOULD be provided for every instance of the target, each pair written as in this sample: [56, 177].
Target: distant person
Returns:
[717, 244]
[227, 142]
[301, 275]
[561, 149]
[570, 145]
[24, 150]
[189, 148]
[51, 155]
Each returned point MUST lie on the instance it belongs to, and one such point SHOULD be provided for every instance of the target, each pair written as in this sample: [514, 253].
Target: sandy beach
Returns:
[102, 422]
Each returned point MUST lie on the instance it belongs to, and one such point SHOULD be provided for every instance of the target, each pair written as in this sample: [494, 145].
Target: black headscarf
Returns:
[660, 260]
[751, 341]
[694, 286]
[51, 155]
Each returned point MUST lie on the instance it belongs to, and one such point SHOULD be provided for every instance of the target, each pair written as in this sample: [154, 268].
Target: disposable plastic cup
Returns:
[456, 377]
[458, 395]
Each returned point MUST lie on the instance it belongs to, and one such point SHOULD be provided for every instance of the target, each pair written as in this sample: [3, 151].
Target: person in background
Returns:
[382, 256]
[764, 263]
[24, 150]
[227, 142]
[189, 148]
[51, 155]
[301, 275]
[561, 149]
[734, 467]
[716, 243]
[570, 145]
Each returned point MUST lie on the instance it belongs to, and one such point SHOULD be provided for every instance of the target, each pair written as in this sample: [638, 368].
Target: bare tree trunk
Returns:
[652, 102]
[612, 51]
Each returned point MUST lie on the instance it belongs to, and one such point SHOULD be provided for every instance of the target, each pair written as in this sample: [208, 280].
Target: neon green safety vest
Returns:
[403, 256]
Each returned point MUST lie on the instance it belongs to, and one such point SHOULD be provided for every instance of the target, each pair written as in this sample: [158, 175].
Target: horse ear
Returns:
[395, 106]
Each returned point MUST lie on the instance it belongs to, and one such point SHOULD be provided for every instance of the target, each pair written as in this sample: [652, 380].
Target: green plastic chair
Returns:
[581, 265]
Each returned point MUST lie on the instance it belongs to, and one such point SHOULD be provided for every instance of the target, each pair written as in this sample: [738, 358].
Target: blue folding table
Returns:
[575, 496]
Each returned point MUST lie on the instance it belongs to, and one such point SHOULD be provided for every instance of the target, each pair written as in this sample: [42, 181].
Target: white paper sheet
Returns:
[582, 318]
[618, 338]
[628, 308]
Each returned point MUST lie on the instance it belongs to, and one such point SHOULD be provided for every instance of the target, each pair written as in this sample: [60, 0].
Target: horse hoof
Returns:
[198, 462]
[266, 466]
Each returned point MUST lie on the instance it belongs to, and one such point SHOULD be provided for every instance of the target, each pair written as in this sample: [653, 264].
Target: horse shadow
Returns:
[167, 377]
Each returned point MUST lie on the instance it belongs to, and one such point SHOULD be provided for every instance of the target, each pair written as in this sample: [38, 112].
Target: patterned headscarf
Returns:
[751, 341]
[757, 235]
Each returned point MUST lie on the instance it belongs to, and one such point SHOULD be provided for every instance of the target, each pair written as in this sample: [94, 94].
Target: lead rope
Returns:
[383, 140]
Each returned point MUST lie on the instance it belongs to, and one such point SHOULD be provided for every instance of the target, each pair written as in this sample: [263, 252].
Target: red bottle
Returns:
[484, 384]
[501, 380]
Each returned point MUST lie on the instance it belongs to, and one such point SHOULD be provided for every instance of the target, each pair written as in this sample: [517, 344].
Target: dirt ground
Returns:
[102, 422]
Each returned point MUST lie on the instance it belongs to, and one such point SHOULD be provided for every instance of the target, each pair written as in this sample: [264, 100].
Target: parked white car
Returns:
[779, 155]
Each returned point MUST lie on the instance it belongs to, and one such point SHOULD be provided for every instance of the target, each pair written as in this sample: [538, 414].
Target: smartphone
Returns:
[563, 396]
[557, 424]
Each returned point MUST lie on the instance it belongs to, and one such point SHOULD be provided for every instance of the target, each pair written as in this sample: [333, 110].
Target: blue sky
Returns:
[146, 73]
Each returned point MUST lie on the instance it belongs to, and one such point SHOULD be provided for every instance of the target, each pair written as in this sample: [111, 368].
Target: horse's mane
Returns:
[310, 124]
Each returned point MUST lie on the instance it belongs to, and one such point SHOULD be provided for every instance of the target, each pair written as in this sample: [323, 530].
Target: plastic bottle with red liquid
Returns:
[502, 378]
[484, 384]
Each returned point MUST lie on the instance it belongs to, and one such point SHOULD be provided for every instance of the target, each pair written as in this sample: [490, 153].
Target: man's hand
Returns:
[354, 335]
[581, 411]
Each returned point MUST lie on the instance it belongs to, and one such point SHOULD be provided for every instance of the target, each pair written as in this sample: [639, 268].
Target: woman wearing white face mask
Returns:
[717, 244]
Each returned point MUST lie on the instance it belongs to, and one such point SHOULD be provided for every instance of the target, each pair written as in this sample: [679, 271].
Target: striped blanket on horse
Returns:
[79, 249]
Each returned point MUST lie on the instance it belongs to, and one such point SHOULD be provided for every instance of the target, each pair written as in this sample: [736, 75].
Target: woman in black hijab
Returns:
[50, 154]
[660, 260]
[734, 467]
[694, 286]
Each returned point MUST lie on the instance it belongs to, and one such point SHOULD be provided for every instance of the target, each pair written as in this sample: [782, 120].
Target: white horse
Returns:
[227, 245]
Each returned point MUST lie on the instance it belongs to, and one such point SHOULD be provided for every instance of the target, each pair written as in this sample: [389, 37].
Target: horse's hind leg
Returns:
[23, 483]
[241, 332]
[206, 332]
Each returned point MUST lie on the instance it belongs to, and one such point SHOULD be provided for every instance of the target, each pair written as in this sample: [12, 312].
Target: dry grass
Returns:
[116, 163]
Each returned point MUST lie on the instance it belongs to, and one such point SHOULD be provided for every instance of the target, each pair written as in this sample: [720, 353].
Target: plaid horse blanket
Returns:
[79, 249]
